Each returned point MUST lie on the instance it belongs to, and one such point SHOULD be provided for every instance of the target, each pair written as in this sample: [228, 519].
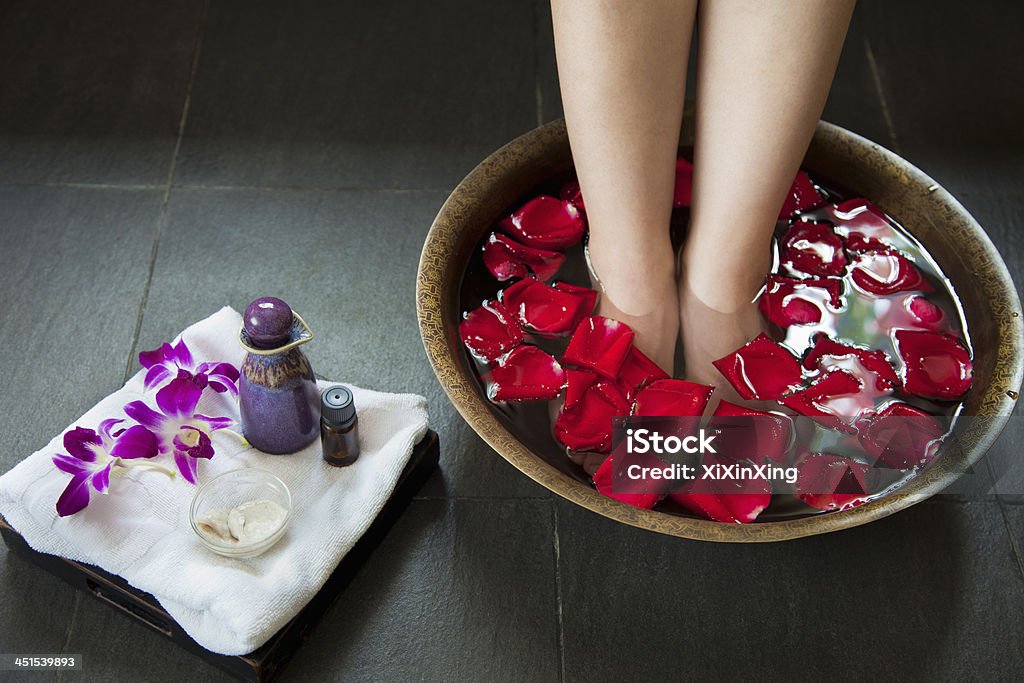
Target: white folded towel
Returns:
[141, 530]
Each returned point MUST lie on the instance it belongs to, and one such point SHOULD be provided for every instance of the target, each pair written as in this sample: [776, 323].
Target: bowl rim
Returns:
[438, 333]
[237, 549]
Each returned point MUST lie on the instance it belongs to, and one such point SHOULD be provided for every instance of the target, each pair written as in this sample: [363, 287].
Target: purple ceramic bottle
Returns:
[277, 393]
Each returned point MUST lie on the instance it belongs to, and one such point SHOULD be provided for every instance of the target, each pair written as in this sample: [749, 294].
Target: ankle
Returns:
[636, 280]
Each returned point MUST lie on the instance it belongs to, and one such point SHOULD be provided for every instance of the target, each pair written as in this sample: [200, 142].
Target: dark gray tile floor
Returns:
[158, 161]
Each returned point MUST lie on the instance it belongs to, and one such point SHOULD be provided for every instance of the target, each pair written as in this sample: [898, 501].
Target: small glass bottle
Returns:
[339, 426]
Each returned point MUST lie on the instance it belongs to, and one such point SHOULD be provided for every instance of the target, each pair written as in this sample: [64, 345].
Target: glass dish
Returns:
[231, 489]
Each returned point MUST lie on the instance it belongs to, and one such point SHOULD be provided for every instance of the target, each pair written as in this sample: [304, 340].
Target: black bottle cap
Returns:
[336, 405]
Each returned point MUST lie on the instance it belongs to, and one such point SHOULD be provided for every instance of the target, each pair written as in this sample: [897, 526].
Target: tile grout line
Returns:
[1014, 547]
[876, 76]
[560, 632]
[59, 674]
[162, 217]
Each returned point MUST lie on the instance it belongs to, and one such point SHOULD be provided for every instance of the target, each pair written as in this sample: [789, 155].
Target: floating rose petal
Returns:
[525, 374]
[748, 434]
[723, 499]
[828, 482]
[490, 331]
[600, 344]
[586, 423]
[546, 222]
[871, 366]
[925, 312]
[901, 436]
[603, 479]
[548, 311]
[637, 372]
[887, 272]
[684, 183]
[935, 365]
[802, 196]
[834, 400]
[506, 259]
[577, 382]
[863, 226]
[813, 248]
[589, 295]
[672, 397]
[787, 301]
[571, 192]
[761, 370]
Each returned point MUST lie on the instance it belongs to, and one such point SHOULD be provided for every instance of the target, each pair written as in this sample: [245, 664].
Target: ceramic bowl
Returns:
[931, 214]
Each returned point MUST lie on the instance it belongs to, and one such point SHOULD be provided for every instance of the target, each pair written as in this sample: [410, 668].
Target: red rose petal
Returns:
[887, 272]
[935, 365]
[684, 183]
[745, 433]
[549, 311]
[490, 331]
[589, 295]
[506, 259]
[637, 372]
[802, 196]
[788, 301]
[863, 226]
[901, 436]
[734, 501]
[672, 397]
[761, 370]
[603, 482]
[924, 311]
[600, 344]
[525, 374]
[576, 384]
[586, 423]
[813, 248]
[571, 192]
[546, 223]
[707, 505]
[828, 482]
[870, 366]
[834, 400]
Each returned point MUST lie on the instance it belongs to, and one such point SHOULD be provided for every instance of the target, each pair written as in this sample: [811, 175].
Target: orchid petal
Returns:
[75, 496]
[73, 466]
[144, 415]
[179, 397]
[136, 442]
[187, 466]
[203, 448]
[106, 429]
[79, 442]
[216, 422]
[150, 359]
[156, 375]
[181, 355]
[101, 480]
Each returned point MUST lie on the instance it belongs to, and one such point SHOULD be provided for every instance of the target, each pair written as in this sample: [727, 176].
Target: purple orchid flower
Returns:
[178, 428]
[92, 456]
[176, 361]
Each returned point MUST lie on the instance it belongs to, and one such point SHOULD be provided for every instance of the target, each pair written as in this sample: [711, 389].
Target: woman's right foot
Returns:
[638, 288]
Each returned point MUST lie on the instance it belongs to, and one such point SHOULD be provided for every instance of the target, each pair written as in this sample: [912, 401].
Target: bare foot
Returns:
[638, 288]
[717, 316]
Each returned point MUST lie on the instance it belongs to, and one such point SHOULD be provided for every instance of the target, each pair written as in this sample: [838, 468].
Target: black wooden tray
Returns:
[266, 663]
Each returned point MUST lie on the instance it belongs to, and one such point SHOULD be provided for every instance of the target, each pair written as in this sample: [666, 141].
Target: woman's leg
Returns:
[622, 67]
[763, 72]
